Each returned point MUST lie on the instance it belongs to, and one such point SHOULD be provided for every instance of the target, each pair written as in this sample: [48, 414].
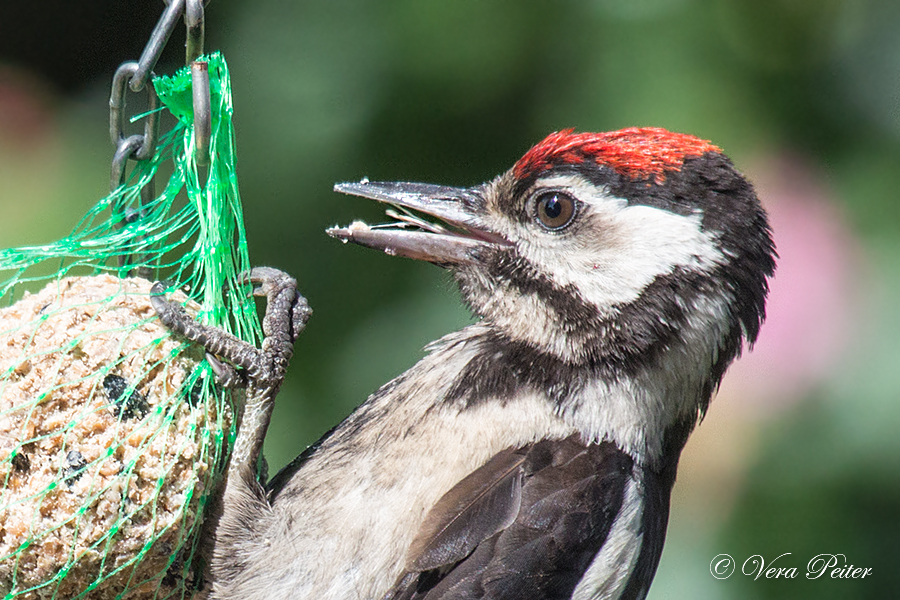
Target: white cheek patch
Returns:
[619, 249]
[636, 412]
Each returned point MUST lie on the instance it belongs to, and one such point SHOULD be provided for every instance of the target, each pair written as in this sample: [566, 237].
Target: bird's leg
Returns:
[263, 368]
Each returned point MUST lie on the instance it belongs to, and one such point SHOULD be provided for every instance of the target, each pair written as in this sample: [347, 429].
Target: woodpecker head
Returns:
[612, 251]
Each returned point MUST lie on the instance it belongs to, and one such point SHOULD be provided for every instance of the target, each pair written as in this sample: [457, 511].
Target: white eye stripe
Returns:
[624, 250]
[645, 243]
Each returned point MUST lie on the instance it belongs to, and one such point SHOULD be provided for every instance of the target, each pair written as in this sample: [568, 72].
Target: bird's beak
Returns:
[414, 237]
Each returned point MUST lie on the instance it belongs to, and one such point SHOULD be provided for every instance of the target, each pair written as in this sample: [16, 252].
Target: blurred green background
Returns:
[800, 453]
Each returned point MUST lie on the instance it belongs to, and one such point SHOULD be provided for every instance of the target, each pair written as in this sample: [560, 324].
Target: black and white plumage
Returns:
[530, 455]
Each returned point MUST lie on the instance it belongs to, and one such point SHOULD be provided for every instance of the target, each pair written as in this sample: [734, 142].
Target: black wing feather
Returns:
[570, 494]
[476, 508]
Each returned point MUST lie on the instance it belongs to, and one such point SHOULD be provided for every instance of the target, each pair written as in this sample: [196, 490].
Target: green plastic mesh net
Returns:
[112, 430]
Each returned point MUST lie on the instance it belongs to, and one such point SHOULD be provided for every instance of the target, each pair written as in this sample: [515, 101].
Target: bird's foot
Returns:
[286, 315]
[263, 369]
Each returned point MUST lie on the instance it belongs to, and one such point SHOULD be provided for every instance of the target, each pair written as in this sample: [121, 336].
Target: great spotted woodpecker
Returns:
[530, 455]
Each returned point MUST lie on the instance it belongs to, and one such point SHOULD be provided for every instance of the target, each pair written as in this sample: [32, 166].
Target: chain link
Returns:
[117, 103]
[156, 43]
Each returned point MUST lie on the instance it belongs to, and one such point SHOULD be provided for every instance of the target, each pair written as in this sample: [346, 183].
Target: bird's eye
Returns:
[555, 210]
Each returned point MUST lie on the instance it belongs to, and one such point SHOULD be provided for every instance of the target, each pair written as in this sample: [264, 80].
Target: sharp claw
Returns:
[261, 279]
[226, 375]
[300, 316]
[158, 296]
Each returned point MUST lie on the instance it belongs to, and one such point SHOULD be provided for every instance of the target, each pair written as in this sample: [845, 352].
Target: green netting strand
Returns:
[112, 431]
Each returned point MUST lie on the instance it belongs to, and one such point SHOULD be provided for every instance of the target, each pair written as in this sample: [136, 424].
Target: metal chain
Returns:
[134, 76]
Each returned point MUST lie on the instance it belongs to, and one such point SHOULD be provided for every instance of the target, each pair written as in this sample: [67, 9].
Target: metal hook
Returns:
[195, 23]
[202, 111]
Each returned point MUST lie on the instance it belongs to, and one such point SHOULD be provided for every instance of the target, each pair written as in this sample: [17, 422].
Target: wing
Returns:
[528, 525]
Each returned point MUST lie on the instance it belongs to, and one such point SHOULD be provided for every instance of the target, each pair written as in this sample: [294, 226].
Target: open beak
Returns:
[414, 237]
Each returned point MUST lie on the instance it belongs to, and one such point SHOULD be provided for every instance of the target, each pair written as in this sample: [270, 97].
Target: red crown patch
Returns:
[636, 152]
